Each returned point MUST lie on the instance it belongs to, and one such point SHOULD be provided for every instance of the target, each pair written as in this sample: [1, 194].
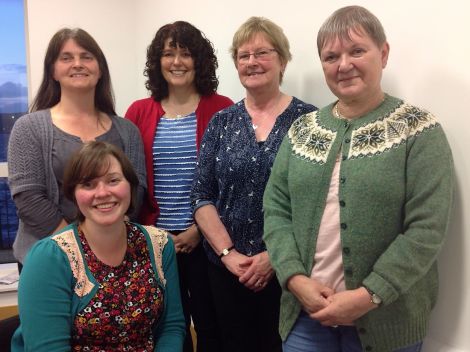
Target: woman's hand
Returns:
[257, 272]
[345, 307]
[312, 295]
[187, 240]
[233, 262]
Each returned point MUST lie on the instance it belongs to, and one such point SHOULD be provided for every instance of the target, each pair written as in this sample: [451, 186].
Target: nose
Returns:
[77, 61]
[344, 63]
[252, 60]
[101, 190]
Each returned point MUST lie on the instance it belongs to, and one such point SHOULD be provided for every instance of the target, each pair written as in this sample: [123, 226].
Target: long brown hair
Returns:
[49, 91]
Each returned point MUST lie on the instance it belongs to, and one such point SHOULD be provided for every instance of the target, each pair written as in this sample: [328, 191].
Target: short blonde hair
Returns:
[272, 31]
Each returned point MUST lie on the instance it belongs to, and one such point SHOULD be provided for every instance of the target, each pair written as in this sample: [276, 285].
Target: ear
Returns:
[385, 51]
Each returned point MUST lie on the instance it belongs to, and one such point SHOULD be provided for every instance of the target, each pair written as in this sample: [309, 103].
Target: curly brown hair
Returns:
[184, 35]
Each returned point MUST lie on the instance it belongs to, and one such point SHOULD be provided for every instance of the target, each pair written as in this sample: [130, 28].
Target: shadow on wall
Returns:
[446, 320]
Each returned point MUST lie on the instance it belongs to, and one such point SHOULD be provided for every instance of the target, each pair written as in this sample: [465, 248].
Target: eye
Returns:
[329, 58]
[262, 53]
[243, 57]
[65, 58]
[87, 185]
[358, 52]
[114, 180]
[88, 57]
[167, 54]
[186, 54]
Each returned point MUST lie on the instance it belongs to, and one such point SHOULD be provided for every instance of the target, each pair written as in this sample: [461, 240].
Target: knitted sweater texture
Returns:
[396, 185]
[30, 165]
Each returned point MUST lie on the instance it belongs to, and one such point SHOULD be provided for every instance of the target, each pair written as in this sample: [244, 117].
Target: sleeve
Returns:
[38, 212]
[45, 299]
[278, 229]
[429, 194]
[26, 173]
[171, 329]
[205, 189]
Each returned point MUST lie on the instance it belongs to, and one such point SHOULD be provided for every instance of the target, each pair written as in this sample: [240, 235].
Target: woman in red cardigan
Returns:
[180, 67]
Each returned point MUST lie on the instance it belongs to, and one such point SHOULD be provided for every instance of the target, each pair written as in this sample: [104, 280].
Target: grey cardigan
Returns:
[30, 166]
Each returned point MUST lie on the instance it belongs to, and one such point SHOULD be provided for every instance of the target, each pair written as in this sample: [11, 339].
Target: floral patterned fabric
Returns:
[127, 304]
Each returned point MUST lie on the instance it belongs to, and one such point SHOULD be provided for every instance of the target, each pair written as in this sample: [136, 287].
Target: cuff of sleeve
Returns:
[288, 270]
[199, 204]
[380, 287]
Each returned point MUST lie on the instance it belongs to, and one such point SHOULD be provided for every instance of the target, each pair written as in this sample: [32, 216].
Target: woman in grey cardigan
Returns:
[74, 105]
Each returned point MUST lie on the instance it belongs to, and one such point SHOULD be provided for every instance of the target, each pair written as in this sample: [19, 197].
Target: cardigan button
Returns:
[348, 272]
[342, 203]
[344, 226]
[347, 140]
[346, 250]
[343, 179]
[344, 157]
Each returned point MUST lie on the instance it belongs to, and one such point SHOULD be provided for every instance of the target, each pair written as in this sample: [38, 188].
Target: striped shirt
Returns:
[174, 162]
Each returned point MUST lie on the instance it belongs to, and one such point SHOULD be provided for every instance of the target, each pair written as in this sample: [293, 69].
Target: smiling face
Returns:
[353, 68]
[105, 200]
[262, 72]
[76, 68]
[177, 65]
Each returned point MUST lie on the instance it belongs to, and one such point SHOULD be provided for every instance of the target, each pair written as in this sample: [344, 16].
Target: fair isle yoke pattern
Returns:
[310, 140]
[313, 142]
[405, 122]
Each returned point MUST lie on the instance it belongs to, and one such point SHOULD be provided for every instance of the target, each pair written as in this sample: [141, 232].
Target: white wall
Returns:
[428, 66]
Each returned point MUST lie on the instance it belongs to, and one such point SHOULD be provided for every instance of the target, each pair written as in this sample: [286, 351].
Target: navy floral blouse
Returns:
[233, 169]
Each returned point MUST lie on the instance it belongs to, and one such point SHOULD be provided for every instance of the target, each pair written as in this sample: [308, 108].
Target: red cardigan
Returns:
[146, 114]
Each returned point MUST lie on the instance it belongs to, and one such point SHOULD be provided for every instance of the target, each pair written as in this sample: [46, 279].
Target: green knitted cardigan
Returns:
[396, 185]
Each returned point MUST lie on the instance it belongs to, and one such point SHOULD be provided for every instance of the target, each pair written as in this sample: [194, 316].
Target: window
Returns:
[13, 104]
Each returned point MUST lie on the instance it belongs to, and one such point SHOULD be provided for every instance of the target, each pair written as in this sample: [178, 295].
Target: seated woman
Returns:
[101, 283]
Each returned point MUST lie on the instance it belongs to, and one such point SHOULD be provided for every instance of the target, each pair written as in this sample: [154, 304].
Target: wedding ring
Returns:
[259, 283]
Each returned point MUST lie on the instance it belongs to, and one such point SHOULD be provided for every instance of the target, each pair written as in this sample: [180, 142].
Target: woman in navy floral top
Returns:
[235, 159]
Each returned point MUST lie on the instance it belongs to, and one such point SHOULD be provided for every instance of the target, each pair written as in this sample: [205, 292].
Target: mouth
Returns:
[178, 73]
[251, 74]
[78, 75]
[105, 206]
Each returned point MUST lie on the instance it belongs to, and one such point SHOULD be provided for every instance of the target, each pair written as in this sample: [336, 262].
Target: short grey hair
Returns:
[345, 19]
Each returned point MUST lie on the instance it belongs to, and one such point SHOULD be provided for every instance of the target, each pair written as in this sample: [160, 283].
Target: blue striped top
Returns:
[174, 163]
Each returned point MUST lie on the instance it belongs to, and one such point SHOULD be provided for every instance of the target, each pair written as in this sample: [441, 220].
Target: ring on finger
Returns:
[259, 283]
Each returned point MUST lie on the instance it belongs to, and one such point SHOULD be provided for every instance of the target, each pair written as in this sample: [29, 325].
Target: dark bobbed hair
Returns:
[92, 160]
[350, 18]
[49, 91]
[184, 35]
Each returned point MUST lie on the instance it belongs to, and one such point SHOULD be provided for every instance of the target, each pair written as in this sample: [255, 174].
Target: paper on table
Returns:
[9, 278]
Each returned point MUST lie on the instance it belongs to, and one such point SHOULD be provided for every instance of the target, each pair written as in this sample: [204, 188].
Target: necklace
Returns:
[270, 112]
[178, 111]
[337, 113]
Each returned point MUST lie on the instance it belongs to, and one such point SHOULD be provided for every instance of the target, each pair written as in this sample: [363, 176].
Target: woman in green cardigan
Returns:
[357, 205]
[101, 283]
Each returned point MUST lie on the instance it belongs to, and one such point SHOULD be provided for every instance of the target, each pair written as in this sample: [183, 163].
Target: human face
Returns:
[177, 66]
[105, 199]
[353, 68]
[262, 72]
[76, 68]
